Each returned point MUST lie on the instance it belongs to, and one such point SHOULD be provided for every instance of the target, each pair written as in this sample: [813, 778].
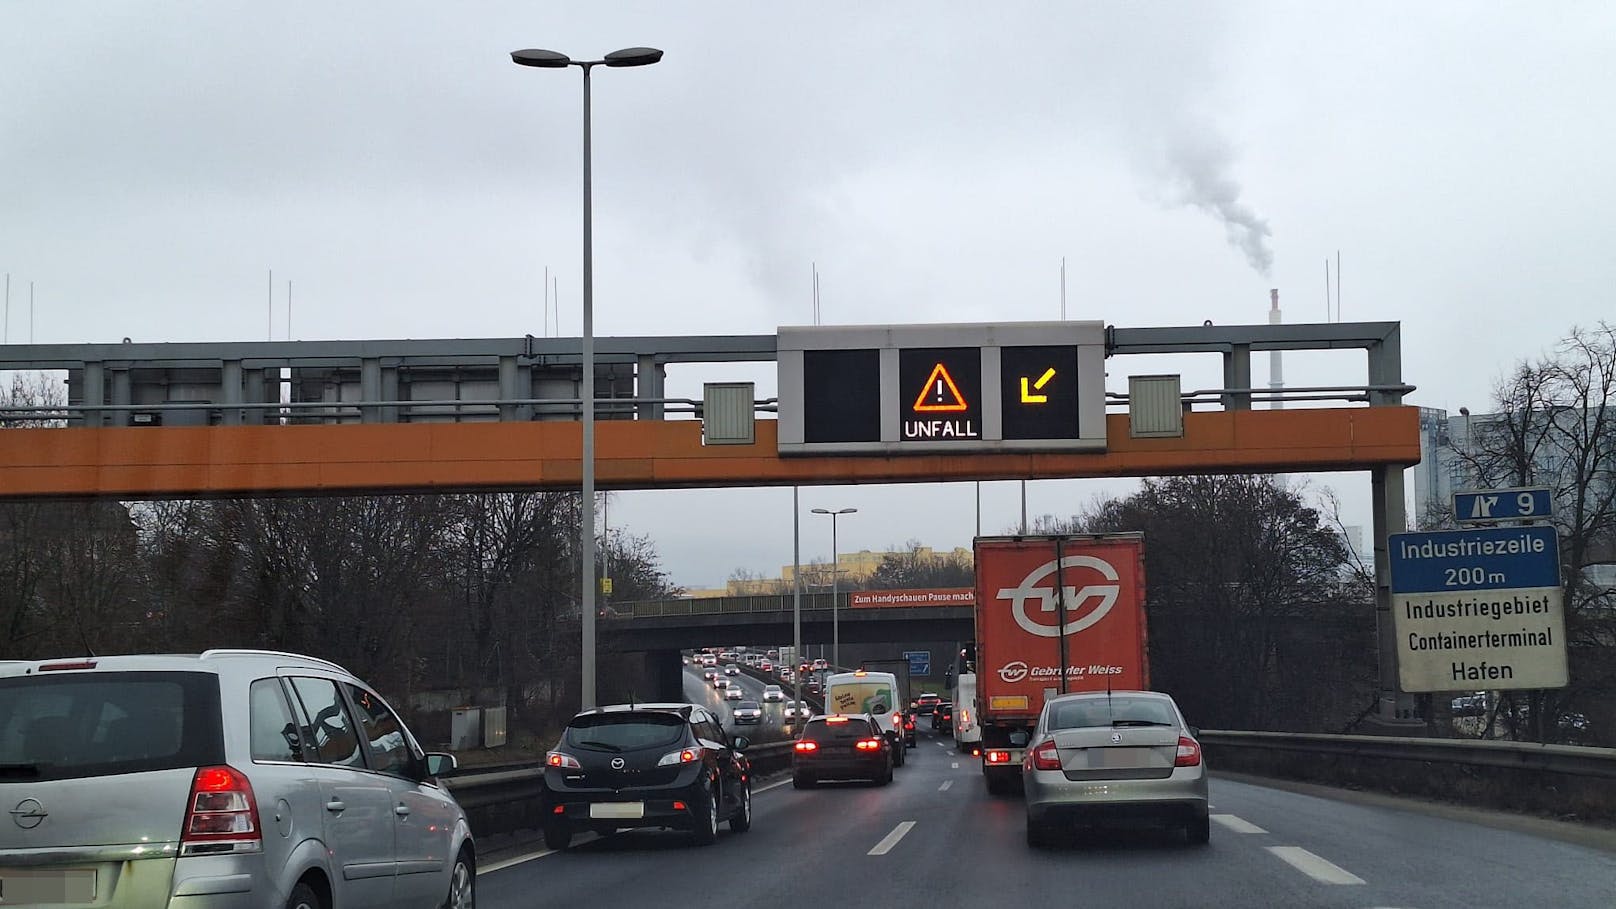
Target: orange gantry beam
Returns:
[175, 462]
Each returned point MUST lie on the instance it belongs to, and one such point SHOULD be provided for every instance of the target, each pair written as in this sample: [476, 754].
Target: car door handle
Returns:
[335, 806]
[402, 811]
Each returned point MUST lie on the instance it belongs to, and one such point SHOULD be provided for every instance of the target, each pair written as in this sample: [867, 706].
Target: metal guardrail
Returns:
[1570, 760]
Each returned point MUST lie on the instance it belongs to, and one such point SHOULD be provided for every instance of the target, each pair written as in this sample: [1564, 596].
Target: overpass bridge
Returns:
[661, 628]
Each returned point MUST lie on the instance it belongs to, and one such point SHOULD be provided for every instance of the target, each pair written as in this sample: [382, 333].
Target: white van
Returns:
[874, 693]
[967, 731]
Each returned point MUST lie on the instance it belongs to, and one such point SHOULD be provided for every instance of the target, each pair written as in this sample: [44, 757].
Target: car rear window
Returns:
[87, 724]
[1110, 712]
[823, 731]
[747, 705]
[624, 732]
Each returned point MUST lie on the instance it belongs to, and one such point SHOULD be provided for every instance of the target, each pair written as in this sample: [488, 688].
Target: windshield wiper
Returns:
[1138, 723]
[603, 746]
[19, 771]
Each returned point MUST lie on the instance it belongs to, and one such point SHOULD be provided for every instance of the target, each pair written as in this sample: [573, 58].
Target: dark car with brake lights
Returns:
[841, 747]
[942, 717]
[927, 702]
[670, 766]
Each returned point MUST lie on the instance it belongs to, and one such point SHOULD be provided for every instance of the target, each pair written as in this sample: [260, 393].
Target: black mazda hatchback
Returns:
[671, 766]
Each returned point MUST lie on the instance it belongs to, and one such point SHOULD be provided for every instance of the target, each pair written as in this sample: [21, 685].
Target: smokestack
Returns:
[1276, 369]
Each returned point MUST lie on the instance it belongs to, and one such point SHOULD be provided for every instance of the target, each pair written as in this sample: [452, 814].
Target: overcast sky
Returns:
[936, 160]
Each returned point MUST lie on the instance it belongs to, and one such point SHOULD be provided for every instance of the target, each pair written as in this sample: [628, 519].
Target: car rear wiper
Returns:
[604, 746]
[1138, 723]
[19, 771]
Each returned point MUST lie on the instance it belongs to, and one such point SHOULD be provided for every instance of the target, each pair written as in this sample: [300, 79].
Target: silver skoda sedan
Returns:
[1121, 756]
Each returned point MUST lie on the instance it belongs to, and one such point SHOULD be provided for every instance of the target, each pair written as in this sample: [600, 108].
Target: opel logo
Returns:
[29, 814]
[1116, 738]
[617, 763]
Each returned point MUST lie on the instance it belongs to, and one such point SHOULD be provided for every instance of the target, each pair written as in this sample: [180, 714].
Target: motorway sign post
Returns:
[1478, 608]
[919, 661]
[1523, 503]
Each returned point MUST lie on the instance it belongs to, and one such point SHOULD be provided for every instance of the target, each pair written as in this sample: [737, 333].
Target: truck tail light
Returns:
[222, 815]
[1189, 752]
[996, 756]
[1045, 757]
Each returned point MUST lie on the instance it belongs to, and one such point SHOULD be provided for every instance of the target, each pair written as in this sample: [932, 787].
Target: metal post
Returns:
[1023, 506]
[587, 393]
[835, 604]
[796, 600]
[978, 507]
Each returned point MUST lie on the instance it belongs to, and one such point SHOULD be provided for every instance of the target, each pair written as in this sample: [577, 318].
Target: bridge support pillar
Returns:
[1237, 374]
[649, 383]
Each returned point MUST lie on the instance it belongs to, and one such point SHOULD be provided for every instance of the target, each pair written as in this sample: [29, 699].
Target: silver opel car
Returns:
[230, 779]
[1118, 756]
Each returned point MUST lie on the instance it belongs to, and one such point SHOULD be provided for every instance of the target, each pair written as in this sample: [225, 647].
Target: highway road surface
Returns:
[935, 836]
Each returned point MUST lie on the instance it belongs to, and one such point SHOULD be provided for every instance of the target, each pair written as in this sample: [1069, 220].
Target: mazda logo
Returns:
[617, 763]
[1076, 598]
[29, 814]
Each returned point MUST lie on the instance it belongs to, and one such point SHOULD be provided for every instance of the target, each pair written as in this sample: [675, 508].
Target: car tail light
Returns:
[1045, 757]
[868, 745]
[805, 747]
[1189, 752]
[965, 717]
[836, 719]
[682, 756]
[563, 760]
[680, 806]
[74, 664]
[995, 756]
[221, 812]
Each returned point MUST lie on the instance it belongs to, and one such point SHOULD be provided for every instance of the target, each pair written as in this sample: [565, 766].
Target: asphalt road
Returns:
[935, 835]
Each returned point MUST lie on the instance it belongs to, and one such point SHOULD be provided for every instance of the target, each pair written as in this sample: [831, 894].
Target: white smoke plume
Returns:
[1200, 165]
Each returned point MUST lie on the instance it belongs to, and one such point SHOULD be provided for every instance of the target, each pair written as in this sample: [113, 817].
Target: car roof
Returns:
[654, 707]
[215, 660]
[1080, 695]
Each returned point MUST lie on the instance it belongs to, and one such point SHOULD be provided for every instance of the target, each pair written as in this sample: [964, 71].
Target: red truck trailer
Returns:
[1033, 643]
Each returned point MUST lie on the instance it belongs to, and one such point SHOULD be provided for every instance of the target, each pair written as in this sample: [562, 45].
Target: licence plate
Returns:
[1114, 758]
[617, 809]
[19, 886]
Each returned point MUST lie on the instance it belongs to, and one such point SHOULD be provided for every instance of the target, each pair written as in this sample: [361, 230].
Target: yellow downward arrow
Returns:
[1027, 397]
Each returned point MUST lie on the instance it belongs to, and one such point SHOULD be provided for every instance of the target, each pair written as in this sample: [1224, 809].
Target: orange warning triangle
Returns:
[940, 388]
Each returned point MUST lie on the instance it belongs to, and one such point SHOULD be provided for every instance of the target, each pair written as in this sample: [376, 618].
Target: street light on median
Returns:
[835, 576]
[548, 59]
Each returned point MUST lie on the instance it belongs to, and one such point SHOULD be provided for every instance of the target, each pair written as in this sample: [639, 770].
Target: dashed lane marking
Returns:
[1236, 824]
[891, 839]
[944, 787]
[955, 765]
[515, 860]
[1320, 870]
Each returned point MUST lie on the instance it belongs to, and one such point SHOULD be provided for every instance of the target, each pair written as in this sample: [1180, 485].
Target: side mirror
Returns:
[740, 743]
[439, 763]
[1018, 739]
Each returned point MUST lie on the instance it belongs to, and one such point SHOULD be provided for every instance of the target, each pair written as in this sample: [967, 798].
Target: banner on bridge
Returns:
[941, 596]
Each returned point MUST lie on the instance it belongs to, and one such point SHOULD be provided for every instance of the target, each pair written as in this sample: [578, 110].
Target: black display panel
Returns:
[841, 395]
[939, 394]
[1039, 392]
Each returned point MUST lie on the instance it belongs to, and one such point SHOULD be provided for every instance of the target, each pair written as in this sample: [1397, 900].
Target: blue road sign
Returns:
[919, 661]
[1490, 558]
[1526, 503]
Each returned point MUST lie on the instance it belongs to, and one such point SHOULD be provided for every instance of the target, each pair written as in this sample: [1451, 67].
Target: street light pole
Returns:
[835, 587]
[633, 56]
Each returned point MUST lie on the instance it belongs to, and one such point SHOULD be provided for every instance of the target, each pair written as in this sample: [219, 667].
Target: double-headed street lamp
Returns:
[835, 575]
[546, 59]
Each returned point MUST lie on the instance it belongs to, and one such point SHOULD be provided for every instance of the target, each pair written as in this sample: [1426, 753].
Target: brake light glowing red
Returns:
[563, 760]
[1189, 752]
[1045, 757]
[994, 756]
[221, 808]
[869, 745]
[806, 746]
[836, 719]
[680, 806]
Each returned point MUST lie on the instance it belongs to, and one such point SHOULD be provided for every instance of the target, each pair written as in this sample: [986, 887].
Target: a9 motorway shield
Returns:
[1478, 608]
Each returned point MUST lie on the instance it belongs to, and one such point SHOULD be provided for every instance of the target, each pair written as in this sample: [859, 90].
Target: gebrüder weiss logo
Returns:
[1078, 568]
[1013, 672]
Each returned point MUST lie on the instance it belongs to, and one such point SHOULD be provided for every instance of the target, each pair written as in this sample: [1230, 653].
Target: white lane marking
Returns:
[955, 765]
[944, 787]
[515, 860]
[1238, 825]
[885, 846]
[770, 786]
[1314, 867]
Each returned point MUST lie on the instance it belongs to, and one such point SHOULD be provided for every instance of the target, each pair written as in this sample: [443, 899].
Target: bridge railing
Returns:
[719, 605]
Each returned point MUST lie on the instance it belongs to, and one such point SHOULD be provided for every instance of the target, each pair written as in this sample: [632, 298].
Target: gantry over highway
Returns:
[201, 419]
